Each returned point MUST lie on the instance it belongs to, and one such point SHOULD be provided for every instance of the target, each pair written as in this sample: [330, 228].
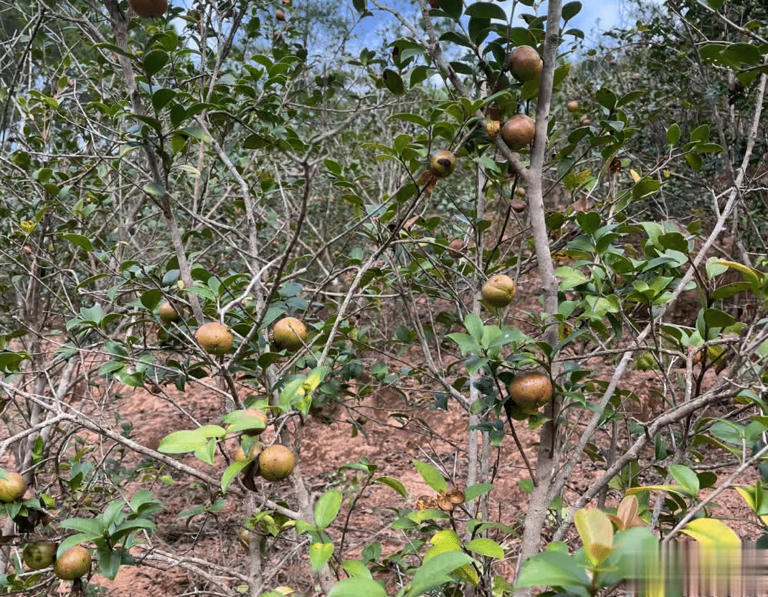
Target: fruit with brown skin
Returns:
[525, 63]
[518, 205]
[498, 291]
[39, 555]
[455, 247]
[520, 192]
[279, 15]
[492, 127]
[167, 313]
[276, 463]
[12, 488]
[73, 563]
[290, 333]
[585, 121]
[215, 338]
[434, 4]
[518, 131]
[530, 391]
[572, 106]
[149, 8]
[442, 163]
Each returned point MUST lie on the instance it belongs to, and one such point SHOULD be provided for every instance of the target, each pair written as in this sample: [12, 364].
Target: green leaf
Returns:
[436, 572]
[451, 7]
[356, 568]
[474, 326]
[78, 239]
[327, 508]
[394, 484]
[552, 569]
[714, 318]
[393, 81]
[570, 10]
[319, 554]
[475, 491]
[431, 475]
[231, 472]
[88, 526]
[596, 532]
[486, 10]
[647, 186]
[154, 61]
[357, 587]
[486, 547]
[685, 477]
[180, 442]
[673, 134]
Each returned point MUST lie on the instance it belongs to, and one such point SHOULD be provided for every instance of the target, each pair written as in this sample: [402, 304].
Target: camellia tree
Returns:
[208, 225]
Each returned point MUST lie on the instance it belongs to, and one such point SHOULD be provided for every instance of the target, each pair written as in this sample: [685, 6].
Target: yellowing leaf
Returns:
[635, 176]
[445, 541]
[712, 532]
[596, 533]
[627, 509]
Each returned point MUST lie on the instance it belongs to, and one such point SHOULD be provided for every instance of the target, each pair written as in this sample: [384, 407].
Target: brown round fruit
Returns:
[167, 313]
[572, 106]
[518, 131]
[492, 127]
[520, 192]
[149, 8]
[434, 4]
[530, 391]
[585, 121]
[525, 63]
[215, 338]
[12, 488]
[279, 15]
[276, 463]
[290, 333]
[442, 163]
[498, 291]
[455, 247]
[518, 205]
[73, 563]
[39, 555]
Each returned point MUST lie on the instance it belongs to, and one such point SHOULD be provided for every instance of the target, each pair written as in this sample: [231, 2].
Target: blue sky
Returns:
[596, 16]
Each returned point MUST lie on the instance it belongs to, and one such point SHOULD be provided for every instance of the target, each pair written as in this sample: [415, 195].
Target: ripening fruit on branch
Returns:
[167, 313]
[518, 205]
[572, 106]
[525, 63]
[518, 131]
[276, 463]
[290, 333]
[12, 488]
[434, 4]
[149, 8]
[455, 247]
[39, 555]
[492, 127]
[442, 163]
[215, 338]
[498, 291]
[253, 452]
[530, 391]
[585, 121]
[279, 15]
[520, 192]
[73, 563]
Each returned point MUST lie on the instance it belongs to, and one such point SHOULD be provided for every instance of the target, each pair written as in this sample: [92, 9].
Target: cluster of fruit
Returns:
[73, 564]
